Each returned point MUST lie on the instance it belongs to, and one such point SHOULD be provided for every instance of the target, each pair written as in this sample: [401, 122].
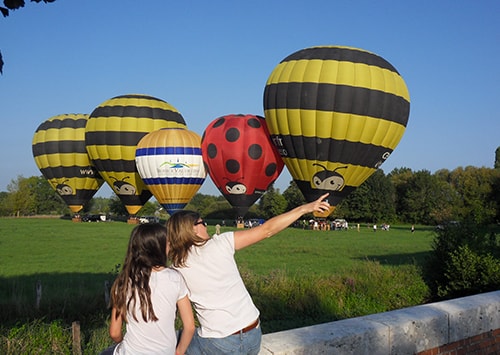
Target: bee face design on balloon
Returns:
[123, 188]
[63, 189]
[328, 179]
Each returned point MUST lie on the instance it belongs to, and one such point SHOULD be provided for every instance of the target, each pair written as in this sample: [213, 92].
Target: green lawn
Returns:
[296, 278]
[31, 246]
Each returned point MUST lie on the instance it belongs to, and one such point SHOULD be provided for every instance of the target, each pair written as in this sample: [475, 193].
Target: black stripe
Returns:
[334, 197]
[139, 112]
[340, 54]
[110, 166]
[81, 197]
[60, 172]
[113, 138]
[337, 98]
[136, 200]
[63, 123]
[59, 147]
[138, 96]
[325, 149]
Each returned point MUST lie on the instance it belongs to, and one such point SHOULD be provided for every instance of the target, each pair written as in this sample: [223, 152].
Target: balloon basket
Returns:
[76, 219]
[133, 220]
[240, 225]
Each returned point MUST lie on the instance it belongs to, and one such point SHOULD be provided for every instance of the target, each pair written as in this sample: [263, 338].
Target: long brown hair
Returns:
[146, 250]
[182, 236]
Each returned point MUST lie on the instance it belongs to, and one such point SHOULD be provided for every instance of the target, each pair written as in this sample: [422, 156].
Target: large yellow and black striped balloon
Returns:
[60, 154]
[113, 131]
[336, 114]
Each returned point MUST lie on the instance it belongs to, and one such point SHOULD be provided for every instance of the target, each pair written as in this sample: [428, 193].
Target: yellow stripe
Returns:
[340, 73]
[303, 170]
[65, 160]
[174, 193]
[129, 124]
[334, 125]
[112, 152]
[139, 102]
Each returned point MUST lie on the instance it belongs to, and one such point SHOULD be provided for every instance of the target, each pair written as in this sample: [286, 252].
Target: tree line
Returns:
[402, 196]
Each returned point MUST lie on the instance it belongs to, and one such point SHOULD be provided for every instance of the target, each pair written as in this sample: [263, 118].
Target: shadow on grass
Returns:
[418, 258]
[64, 296]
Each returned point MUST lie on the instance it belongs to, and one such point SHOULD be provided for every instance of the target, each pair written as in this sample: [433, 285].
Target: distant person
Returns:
[229, 320]
[413, 228]
[374, 227]
[217, 229]
[145, 295]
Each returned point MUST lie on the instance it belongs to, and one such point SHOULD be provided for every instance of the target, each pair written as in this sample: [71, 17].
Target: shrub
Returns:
[467, 272]
[463, 260]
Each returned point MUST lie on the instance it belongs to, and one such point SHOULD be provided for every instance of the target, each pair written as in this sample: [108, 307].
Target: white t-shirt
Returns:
[219, 296]
[167, 287]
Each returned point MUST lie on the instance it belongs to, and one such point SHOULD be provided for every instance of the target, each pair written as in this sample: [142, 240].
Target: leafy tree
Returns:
[475, 187]
[293, 196]
[117, 207]
[497, 157]
[399, 178]
[272, 203]
[47, 201]
[371, 201]
[149, 208]
[420, 198]
[33, 195]
[4, 210]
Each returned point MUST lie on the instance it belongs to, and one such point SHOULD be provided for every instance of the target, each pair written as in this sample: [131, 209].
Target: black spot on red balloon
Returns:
[212, 151]
[232, 166]
[271, 169]
[254, 122]
[219, 122]
[255, 151]
[232, 134]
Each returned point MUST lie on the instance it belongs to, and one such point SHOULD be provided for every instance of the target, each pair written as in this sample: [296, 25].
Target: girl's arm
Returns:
[115, 327]
[188, 327]
[276, 224]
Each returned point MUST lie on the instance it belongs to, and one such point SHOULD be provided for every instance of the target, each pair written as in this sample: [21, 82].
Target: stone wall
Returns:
[468, 325]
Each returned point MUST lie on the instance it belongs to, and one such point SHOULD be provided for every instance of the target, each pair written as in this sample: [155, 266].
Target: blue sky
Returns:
[211, 58]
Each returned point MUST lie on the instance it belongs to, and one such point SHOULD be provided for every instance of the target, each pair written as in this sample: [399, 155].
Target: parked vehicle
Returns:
[94, 218]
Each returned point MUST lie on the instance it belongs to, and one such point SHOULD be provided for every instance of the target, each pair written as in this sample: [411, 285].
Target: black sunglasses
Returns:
[201, 222]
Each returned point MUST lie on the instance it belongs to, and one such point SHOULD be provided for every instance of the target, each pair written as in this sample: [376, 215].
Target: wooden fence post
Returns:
[77, 349]
[106, 292]
[38, 294]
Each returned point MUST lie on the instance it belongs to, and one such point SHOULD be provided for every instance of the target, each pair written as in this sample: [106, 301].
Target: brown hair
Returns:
[146, 250]
[182, 236]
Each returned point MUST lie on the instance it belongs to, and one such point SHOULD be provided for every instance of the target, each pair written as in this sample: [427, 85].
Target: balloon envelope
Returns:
[240, 158]
[335, 114]
[113, 131]
[60, 154]
[170, 163]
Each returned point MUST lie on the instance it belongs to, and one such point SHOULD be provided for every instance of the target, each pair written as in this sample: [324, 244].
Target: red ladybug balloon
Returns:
[240, 158]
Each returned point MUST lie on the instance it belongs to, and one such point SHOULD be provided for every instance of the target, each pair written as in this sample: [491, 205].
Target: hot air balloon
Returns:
[113, 131]
[335, 114]
[170, 163]
[240, 158]
[60, 154]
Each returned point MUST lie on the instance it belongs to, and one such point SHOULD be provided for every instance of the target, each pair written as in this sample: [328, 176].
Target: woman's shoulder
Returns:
[170, 274]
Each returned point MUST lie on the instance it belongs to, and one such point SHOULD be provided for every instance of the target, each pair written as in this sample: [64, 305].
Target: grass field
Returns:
[298, 277]
[30, 247]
